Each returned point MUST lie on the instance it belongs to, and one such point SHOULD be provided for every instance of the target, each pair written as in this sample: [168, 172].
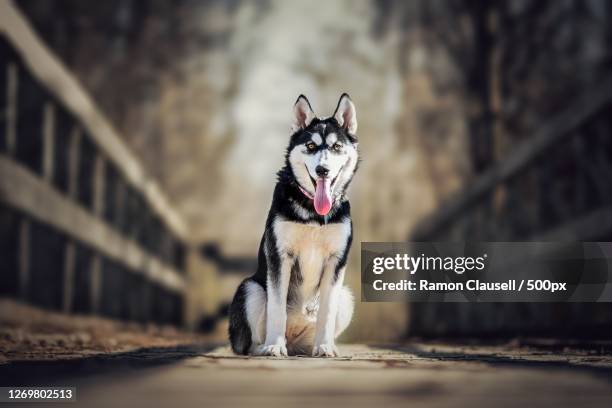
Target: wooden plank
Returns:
[49, 71]
[21, 189]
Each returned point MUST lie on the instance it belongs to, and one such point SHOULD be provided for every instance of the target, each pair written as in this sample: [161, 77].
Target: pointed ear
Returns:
[345, 114]
[302, 114]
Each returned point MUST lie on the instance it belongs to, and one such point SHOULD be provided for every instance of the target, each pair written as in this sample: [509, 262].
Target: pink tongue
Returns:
[322, 199]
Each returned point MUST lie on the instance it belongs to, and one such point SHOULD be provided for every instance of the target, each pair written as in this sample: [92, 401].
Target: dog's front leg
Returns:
[331, 283]
[276, 312]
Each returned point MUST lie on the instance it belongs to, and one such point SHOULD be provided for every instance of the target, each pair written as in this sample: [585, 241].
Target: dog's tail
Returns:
[239, 329]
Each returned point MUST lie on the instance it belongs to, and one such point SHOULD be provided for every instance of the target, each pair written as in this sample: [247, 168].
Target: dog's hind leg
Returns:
[346, 306]
[247, 317]
[256, 312]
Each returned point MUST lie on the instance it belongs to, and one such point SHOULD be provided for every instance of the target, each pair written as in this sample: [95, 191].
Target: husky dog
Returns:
[296, 302]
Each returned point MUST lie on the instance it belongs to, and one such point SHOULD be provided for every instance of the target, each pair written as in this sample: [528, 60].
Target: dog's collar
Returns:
[306, 193]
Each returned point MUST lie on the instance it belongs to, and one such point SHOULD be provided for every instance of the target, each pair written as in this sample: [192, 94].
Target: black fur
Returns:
[287, 192]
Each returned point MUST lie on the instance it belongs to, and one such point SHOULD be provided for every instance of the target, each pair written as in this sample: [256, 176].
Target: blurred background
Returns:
[140, 141]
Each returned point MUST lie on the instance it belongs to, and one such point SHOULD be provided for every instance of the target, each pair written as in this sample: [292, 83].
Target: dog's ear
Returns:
[302, 114]
[345, 114]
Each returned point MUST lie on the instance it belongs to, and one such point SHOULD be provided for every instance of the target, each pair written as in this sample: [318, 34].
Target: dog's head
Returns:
[323, 152]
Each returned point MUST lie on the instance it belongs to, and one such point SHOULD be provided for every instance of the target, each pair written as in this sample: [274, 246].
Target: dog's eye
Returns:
[311, 146]
[337, 147]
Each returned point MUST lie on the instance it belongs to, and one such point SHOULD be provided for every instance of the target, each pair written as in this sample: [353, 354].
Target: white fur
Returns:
[347, 170]
[255, 304]
[313, 245]
[331, 139]
[275, 343]
[319, 313]
[301, 326]
[316, 138]
[297, 158]
[341, 166]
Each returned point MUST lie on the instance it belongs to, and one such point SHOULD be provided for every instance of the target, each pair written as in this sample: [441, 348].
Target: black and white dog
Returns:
[296, 302]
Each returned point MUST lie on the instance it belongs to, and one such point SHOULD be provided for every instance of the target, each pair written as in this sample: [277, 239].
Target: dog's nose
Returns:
[322, 171]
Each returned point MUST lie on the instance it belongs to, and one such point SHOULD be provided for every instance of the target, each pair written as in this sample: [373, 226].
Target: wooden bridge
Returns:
[83, 228]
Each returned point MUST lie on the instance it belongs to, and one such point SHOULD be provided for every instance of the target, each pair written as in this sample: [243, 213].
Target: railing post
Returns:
[48, 141]
[69, 251]
[24, 258]
[99, 187]
[73, 162]
[69, 265]
[12, 80]
[95, 293]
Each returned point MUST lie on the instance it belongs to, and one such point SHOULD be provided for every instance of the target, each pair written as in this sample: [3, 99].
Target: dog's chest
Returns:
[312, 246]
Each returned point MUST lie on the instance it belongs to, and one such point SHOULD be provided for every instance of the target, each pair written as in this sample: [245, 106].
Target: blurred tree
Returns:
[521, 62]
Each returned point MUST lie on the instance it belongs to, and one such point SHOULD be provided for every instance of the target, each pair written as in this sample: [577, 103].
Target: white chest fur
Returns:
[312, 245]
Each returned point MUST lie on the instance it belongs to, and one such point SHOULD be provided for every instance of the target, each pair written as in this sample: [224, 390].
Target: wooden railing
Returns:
[550, 187]
[556, 186]
[82, 227]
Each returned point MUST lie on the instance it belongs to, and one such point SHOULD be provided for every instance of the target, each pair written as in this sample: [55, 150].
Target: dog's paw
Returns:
[325, 350]
[275, 350]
